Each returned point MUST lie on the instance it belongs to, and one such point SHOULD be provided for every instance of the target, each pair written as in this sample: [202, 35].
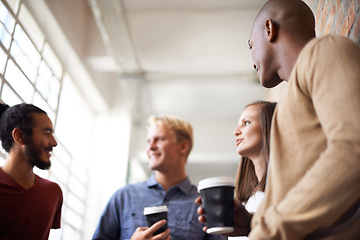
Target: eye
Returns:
[247, 123]
[250, 44]
[47, 133]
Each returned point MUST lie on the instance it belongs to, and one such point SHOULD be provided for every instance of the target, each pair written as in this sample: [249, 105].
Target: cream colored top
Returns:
[314, 170]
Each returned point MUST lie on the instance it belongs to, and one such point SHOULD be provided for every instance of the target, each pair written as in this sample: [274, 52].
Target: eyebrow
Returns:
[247, 118]
[47, 129]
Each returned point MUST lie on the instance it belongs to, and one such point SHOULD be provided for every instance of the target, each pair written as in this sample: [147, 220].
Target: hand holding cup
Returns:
[147, 233]
[217, 196]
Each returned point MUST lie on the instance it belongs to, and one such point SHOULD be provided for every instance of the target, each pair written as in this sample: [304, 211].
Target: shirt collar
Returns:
[185, 186]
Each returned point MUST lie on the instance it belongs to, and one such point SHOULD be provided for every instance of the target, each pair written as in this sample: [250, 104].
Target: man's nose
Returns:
[54, 142]
[151, 144]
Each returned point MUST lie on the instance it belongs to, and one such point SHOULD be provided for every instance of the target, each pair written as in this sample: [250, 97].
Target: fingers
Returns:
[156, 226]
[198, 200]
[200, 210]
[163, 236]
[145, 233]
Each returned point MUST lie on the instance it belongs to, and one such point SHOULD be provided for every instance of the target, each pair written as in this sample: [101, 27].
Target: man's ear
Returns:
[184, 147]
[271, 30]
[18, 136]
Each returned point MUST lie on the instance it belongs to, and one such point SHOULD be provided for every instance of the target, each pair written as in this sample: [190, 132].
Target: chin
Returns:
[43, 165]
[152, 167]
[238, 152]
[271, 82]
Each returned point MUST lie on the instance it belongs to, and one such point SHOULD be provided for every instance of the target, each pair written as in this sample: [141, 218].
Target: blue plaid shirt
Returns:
[124, 211]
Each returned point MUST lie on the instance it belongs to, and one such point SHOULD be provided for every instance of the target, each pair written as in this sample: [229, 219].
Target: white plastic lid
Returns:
[155, 209]
[215, 182]
[220, 230]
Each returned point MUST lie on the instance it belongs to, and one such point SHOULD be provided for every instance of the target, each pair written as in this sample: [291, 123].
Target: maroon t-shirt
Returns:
[29, 214]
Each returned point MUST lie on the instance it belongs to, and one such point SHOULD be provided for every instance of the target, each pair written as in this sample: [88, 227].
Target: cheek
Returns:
[255, 135]
[258, 140]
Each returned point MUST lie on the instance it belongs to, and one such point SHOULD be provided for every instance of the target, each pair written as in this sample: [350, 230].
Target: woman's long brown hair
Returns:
[247, 183]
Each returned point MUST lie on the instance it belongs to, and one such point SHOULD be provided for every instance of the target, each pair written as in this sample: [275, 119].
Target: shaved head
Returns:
[280, 31]
[293, 16]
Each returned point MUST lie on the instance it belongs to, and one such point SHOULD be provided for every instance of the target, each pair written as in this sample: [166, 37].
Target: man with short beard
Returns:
[29, 205]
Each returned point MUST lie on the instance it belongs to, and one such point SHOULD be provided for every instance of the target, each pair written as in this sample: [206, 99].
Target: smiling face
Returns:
[248, 132]
[162, 149]
[39, 145]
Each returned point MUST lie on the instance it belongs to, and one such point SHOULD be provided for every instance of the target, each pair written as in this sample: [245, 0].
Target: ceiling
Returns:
[188, 58]
[184, 57]
[177, 50]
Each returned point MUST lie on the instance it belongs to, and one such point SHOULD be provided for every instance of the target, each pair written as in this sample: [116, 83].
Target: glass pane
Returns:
[3, 58]
[80, 170]
[31, 27]
[9, 97]
[44, 78]
[14, 4]
[75, 204]
[24, 62]
[19, 82]
[77, 187]
[25, 53]
[73, 219]
[41, 103]
[54, 93]
[69, 233]
[52, 60]
[6, 18]
[5, 37]
[6, 26]
[59, 170]
[61, 154]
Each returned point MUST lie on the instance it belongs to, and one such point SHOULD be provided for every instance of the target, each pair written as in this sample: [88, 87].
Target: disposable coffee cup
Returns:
[155, 214]
[217, 195]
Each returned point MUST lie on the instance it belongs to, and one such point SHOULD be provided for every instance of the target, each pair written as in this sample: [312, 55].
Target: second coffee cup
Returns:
[155, 214]
[217, 195]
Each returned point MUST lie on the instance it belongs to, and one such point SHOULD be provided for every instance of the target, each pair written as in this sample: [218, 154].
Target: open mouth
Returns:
[48, 152]
[238, 141]
[154, 155]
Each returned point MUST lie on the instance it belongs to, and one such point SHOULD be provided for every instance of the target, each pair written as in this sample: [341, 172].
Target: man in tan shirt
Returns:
[314, 174]
[314, 168]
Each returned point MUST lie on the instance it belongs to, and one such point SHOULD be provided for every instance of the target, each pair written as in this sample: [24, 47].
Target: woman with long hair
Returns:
[253, 145]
